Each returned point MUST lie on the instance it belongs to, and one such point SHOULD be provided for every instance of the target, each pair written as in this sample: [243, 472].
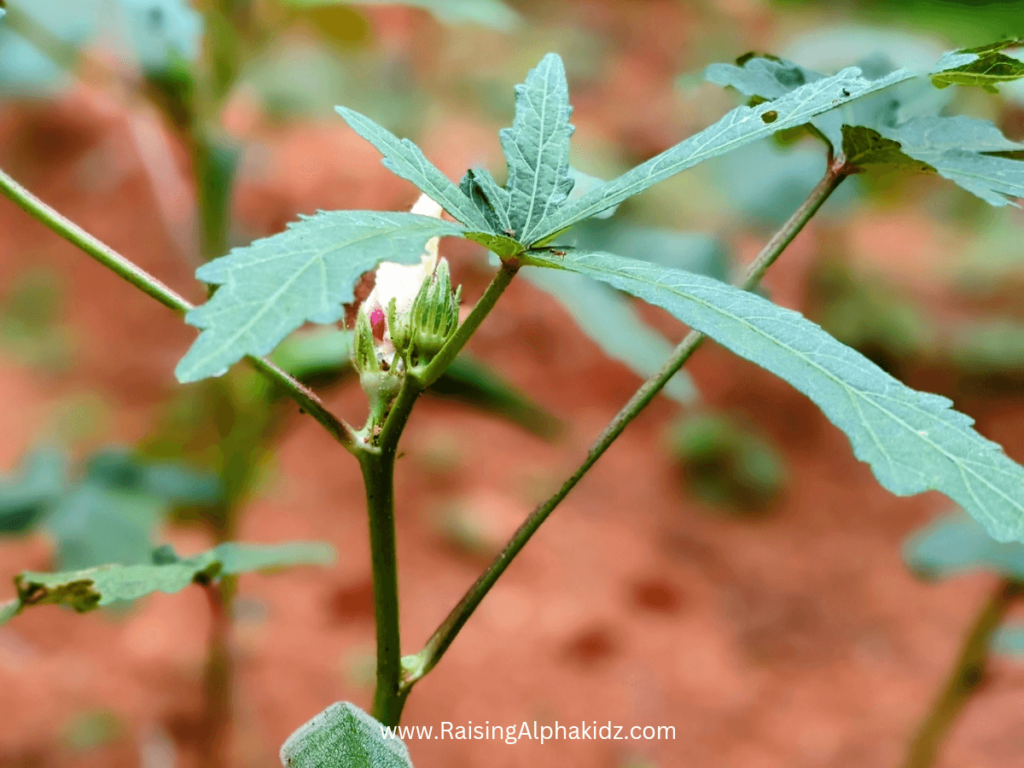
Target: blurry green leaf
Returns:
[110, 513]
[1009, 640]
[781, 182]
[313, 354]
[739, 127]
[913, 441]
[343, 735]
[306, 273]
[405, 159]
[537, 146]
[91, 730]
[159, 34]
[725, 464]
[872, 316]
[26, 494]
[91, 588]
[988, 346]
[472, 382]
[487, 13]
[610, 320]
[97, 523]
[689, 251]
[162, 32]
[583, 184]
[985, 66]
[955, 545]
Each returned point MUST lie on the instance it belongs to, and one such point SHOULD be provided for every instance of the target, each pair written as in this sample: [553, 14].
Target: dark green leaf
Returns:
[913, 441]
[955, 545]
[87, 589]
[343, 736]
[306, 273]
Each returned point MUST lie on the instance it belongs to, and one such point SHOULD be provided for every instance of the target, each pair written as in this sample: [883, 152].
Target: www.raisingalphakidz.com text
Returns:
[530, 731]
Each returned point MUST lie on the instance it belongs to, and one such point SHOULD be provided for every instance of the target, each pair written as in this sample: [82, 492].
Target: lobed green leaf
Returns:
[913, 441]
[406, 160]
[874, 131]
[739, 127]
[306, 273]
[345, 736]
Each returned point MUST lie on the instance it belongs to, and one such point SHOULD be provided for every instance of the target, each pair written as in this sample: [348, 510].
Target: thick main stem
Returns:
[145, 282]
[964, 680]
[442, 638]
[378, 477]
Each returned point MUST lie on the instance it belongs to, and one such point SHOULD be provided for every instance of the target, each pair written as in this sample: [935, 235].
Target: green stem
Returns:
[378, 465]
[427, 659]
[964, 680]
[378, 477]
[145, 282]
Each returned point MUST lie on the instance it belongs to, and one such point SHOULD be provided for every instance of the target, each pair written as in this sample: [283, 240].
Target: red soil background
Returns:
[796, 639]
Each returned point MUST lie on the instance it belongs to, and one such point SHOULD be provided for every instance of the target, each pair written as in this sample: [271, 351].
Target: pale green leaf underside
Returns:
[94, 587]
[955, 147]
[537, 146]
[956, 545]
[913, 441]
[343, 736]
[610, 320]
[272, 286]
[405, 159]
[739, 127]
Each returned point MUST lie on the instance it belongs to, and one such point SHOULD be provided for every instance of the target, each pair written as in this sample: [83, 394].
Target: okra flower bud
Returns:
[435, 314]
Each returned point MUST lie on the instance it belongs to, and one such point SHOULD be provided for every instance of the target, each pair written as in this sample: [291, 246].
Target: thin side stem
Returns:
[965, 679]
[145, 282]
[442, 638]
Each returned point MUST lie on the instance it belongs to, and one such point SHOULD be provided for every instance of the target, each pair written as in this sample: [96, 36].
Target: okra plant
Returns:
[409, 331]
